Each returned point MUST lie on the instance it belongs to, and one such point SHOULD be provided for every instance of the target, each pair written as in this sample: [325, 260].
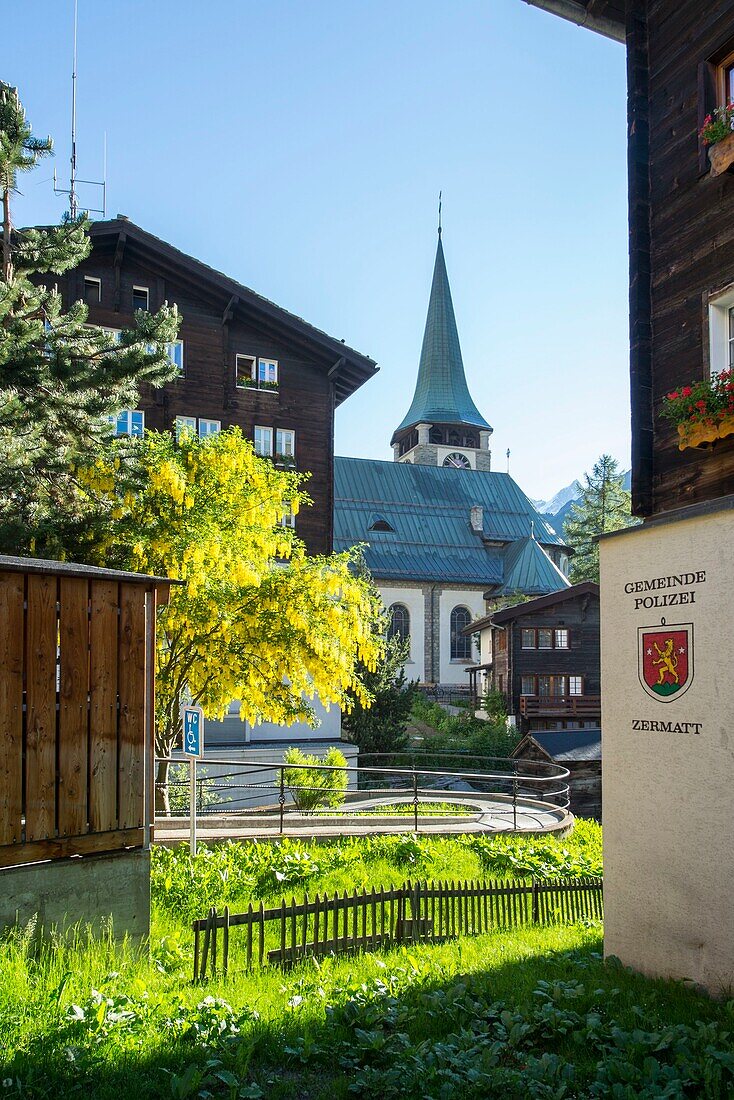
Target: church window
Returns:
[460, 642]
[399, 625]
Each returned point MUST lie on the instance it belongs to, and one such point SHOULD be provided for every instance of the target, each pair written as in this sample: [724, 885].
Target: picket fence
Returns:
[368, 920]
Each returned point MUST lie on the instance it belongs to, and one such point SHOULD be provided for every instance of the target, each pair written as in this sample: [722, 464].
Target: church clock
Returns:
[457, 461]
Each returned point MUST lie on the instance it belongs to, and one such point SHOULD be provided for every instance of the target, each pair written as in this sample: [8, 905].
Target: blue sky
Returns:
[300, 147]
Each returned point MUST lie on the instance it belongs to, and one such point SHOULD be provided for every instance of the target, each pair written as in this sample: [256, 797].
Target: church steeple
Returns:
[442, 405]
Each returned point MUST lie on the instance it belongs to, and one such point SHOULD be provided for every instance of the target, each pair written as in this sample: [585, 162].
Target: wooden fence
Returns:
[76, 709]
[366, 921]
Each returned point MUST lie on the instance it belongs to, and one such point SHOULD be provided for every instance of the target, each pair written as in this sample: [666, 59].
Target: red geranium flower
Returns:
[686, 391]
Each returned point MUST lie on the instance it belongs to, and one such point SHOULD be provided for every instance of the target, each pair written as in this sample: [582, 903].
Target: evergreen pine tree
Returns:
[60, 379]
[604, 506]
[381, 727]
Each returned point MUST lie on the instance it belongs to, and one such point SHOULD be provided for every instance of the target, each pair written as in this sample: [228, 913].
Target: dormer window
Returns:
[379, 523]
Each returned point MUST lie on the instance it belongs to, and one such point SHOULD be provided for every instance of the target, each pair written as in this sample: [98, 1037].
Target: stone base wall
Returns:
[88, 890]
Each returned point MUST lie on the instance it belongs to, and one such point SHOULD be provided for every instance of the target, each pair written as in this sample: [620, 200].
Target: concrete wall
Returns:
[91, 890]
[668, 776]
[232, 733]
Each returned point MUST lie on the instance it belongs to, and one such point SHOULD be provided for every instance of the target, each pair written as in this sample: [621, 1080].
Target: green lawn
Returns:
[534, 1013]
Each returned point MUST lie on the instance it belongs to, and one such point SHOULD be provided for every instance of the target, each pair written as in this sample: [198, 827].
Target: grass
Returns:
[237, 873]
[535, 1013]
[433, 1021]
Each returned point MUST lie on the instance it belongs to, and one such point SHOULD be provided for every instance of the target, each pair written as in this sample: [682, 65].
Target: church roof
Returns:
[441, 393]
[528, 569]
[432, 539]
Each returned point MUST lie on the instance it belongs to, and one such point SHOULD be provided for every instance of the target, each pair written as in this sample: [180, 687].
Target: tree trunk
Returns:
[162, 803]
[7, 229]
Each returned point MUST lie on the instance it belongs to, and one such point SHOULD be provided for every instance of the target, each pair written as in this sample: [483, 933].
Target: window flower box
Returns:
[255, 384]
[703, 412]
[717, 134]
[288, 461]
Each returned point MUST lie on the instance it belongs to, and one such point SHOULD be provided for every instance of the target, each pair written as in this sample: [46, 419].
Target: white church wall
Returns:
[414, 601]
[454, 672]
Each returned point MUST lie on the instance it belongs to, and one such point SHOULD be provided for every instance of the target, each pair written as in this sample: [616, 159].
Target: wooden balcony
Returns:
[560, 706]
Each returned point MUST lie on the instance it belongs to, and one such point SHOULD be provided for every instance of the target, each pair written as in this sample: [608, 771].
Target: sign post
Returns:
[193, 743]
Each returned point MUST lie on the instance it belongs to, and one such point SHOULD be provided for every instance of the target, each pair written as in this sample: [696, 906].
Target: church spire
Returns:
[441, 393]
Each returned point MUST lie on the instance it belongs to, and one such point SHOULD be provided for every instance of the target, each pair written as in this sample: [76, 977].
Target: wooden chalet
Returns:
[543, 656]
[680, 67]
[242, 359]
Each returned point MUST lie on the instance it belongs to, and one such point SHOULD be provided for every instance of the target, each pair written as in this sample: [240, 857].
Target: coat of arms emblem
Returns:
[665, 660]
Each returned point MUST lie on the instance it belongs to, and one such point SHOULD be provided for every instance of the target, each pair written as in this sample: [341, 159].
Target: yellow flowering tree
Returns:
[255, 618]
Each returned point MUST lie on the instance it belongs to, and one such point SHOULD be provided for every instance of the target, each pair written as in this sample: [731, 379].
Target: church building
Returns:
[446, 538]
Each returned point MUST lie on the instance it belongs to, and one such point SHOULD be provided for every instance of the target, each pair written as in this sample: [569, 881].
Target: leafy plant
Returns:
[310, 786]
[718, 125]
[706, 401]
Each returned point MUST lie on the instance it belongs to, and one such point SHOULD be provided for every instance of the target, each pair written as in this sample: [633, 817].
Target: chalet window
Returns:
[209, 427]
[528, 685]
[267, 371]
[141, 298]
[544, 686]
[575, 685]
[545, 638]
[288, 518]
[185, 424]
[501, 641]
[721, 331]
[399, 625]
[460, 643]
[263, 441]
[176, 355]
[285, 443]
[129, 422]
[92, 290]
[245, 370]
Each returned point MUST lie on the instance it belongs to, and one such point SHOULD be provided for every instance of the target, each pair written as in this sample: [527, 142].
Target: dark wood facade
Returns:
[583, 759]
[556, 686]
[681, 230]
[221, 319]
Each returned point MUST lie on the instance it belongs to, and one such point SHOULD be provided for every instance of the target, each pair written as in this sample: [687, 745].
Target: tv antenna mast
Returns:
[71, 191]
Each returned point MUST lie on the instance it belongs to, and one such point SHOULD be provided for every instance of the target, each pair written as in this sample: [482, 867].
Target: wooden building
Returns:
[680, 67]
[543, 656]
[577, 750]
[242, 359]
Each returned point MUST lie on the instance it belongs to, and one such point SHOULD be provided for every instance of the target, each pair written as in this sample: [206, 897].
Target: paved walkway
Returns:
[488, 816]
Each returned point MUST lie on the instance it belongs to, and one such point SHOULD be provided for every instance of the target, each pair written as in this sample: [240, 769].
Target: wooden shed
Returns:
[77, 654]
[577, 750]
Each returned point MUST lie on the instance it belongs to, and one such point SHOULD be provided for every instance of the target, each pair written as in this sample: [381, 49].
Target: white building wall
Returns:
[414, 601]
[454, 672]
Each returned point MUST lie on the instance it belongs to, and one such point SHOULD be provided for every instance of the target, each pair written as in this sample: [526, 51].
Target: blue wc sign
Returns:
[193, 731]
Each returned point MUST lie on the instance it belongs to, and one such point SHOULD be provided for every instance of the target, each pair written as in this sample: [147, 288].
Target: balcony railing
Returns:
[562, 706]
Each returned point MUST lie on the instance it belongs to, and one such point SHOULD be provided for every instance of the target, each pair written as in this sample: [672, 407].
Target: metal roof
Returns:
[428, 508]
[441, 393]
[565, 745]
[528, 569]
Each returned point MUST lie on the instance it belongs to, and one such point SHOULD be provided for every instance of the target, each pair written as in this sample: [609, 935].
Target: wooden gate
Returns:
[77, 648]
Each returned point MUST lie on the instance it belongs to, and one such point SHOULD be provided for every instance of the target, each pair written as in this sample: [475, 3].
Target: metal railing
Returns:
[271, 794]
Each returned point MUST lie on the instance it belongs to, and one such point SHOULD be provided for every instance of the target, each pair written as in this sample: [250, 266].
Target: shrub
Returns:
[311, 787]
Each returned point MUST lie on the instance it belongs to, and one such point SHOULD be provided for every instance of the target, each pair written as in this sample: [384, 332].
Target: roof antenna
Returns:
[439, 213]
[72, 192]
[508, 460]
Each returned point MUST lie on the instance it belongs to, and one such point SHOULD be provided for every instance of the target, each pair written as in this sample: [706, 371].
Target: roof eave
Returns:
[579, 14]
[357, 368]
